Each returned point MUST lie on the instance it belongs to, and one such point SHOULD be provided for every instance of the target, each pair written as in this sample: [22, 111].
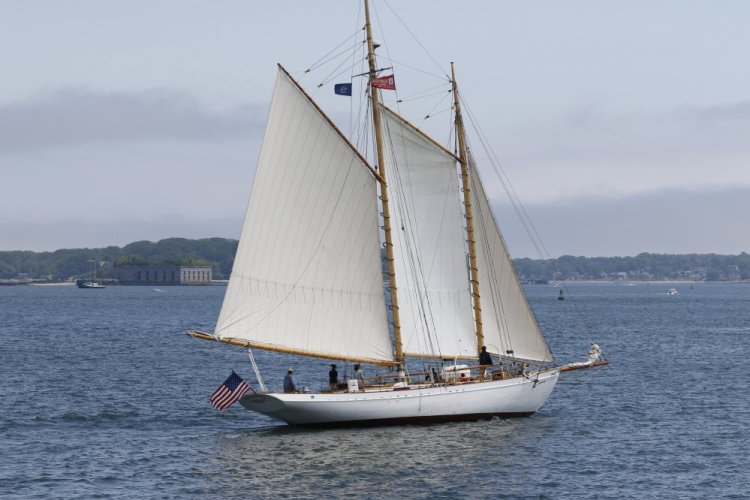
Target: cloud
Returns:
[594, 150]
[76, 116]
[720, 113]
[85, 233]
[664, 221]
[668, 221]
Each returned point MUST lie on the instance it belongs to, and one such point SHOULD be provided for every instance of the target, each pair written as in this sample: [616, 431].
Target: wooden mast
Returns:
[466, 184]
[375, 97]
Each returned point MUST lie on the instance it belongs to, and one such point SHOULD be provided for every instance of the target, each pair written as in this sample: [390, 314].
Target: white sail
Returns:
[307, 274]
[429, 244]
[507, 319]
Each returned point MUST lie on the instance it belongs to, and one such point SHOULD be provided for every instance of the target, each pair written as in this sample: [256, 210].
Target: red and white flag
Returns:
[229, 392]
[387, 82]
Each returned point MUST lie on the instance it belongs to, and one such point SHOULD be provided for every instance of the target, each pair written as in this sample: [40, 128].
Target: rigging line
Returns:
[500, 322]
[414, 68]
[387, 47]
[417, 266]
[514, 200]
[443, 214]
[508, 186]
[433, 115]
[345, 51]
[360, 126]
[500, 319]
[316, 63]
[513, 274]
[330, 77]
[416, 39]
[415, 272]
[433, 109]
[395, 164]
[417, 97]
[522, 214]
[413, 258]
[529, 227]
[399, 207]
[441, 86]
[352, 128]
[364, 130]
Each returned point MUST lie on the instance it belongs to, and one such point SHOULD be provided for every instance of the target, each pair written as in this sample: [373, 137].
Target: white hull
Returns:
[471, 401]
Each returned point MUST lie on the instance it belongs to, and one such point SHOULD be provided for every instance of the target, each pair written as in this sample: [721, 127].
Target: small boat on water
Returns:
[308, 274]
[91, 282]
[672, 291]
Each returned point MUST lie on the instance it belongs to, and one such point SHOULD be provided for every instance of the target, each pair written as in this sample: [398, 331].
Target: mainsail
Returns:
[429, 249]
[307, 274]
[509, 324]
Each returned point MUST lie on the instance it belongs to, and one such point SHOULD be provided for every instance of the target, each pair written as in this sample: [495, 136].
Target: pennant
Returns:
[343, 89]
[387, 82]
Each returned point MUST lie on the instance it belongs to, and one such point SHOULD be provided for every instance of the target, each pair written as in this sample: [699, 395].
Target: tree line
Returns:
[77, 262]
[644, 266]
[219, 253]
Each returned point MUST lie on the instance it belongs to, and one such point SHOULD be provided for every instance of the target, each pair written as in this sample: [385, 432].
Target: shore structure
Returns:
[163, 275]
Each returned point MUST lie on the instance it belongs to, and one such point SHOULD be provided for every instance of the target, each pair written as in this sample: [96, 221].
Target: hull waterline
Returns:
[516, 397]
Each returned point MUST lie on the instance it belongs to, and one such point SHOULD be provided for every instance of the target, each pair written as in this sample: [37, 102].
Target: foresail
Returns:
[507, 319]
[307, 276]
[429, 251]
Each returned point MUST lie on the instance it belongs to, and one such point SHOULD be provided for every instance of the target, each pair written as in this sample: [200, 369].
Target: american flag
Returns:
[229, 392]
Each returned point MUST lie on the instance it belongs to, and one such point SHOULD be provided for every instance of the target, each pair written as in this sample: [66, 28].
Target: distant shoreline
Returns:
[639, 282]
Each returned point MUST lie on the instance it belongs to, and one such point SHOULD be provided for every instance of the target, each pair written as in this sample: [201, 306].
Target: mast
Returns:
[375, 97]
[466, 184]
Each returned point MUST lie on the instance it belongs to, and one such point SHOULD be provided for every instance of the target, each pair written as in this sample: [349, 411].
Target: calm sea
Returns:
[104, 395]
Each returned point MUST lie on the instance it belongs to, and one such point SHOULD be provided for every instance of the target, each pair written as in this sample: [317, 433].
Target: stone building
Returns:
[163, 275]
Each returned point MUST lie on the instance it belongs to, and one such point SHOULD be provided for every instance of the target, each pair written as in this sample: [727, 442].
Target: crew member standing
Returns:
[485, 360]
[484, 357]
[359, 376]
[333, 378]
[289, 381]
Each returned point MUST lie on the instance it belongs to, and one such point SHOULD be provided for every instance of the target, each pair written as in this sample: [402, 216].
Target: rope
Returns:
[520, 210]
[412, 258]
[416, 39]
[320, 62]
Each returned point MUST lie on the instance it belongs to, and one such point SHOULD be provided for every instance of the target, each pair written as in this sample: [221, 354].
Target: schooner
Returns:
[308, 278]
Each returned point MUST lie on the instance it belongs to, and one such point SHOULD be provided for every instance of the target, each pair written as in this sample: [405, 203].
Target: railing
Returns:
[452, 375]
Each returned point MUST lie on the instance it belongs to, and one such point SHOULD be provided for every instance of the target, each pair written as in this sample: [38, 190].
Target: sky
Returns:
[623, 127]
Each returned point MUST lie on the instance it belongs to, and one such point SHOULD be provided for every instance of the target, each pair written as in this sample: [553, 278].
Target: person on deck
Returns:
[333, 378]
[484, 357]
[289, 381]
[359, 376]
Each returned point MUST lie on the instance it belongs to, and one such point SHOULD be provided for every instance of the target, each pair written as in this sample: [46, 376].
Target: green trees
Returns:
[63, 264]
[644, 266]
[219, 253]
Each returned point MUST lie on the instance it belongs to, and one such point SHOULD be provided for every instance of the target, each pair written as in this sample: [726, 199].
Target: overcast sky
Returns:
[624, 127]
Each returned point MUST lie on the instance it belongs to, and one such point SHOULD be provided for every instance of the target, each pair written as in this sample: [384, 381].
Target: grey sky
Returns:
[624, 127]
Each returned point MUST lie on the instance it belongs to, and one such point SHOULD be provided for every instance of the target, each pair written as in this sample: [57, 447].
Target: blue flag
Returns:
[343, 88]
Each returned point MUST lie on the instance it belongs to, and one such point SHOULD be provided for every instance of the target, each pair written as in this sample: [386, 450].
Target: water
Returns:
[103, 394]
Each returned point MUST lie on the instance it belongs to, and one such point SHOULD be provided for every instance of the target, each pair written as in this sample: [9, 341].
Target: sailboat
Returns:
[308, 279]
[92, 282]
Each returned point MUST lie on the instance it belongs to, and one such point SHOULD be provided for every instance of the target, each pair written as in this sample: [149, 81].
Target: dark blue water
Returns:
[103, 394]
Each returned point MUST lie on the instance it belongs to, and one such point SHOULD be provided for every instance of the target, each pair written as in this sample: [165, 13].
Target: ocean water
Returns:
[104, 395]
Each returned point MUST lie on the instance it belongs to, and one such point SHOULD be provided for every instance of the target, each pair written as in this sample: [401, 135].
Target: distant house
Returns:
[163, 275]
